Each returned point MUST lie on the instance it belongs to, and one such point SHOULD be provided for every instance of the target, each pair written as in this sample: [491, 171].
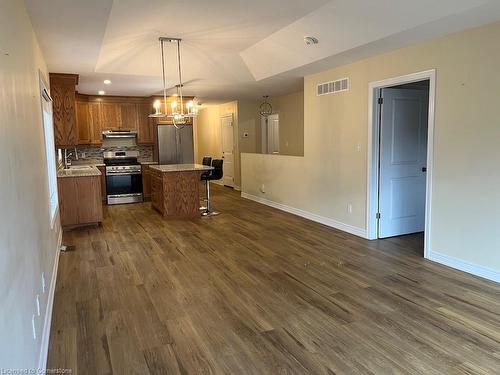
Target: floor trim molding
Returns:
[360, 232]
[44, 349]
[465, 266]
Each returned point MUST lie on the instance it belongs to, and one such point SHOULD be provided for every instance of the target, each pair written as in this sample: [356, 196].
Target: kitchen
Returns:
[108, 145]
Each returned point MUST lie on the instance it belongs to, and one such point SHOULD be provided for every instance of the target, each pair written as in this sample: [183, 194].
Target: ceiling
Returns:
[233, 49]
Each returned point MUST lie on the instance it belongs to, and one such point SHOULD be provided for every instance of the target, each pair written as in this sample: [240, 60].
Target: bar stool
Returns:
[215, 174]
[207, 160]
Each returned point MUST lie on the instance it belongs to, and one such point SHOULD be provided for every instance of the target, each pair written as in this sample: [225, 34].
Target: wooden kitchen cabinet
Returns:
[62, 90]
[111, 116]
[156, 190]
[80, 200]
[146, 182]
[145, 124]
[94, 110]
[83, 124]
[129, 116]
[102, 169]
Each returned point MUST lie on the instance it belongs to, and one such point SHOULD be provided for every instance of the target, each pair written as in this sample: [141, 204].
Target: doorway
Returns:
[400, 156]
[270, 126]
[227, 135]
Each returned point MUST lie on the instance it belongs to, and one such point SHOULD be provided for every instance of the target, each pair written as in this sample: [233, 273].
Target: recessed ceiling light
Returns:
[107, 81]
[101, 92]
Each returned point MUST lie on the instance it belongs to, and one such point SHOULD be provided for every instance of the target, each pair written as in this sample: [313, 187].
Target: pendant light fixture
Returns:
[266, 109]
[178, 114]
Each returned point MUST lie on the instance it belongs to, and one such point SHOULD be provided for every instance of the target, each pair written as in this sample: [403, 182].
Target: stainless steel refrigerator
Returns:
[175, 146]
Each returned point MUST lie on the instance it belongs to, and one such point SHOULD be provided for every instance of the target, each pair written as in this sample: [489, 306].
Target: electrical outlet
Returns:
[33, 326]
[37, 303]
[358, 147]
[349, 208]
[43, 282]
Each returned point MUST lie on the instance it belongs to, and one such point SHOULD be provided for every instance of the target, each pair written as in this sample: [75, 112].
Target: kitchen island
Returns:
[175, 189]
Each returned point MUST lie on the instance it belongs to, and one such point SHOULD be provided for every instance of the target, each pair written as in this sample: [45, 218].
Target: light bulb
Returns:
[174, 104]
[157, 104]
[189, 104]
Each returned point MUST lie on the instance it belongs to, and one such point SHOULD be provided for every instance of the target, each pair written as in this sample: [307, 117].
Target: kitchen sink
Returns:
[75, 170]
[79, 168]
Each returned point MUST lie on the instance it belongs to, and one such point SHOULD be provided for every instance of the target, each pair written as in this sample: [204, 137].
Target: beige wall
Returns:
[291, 126]
[27, 243]
[247, 120]
[332, 173]
[208, 131]
[208, 135]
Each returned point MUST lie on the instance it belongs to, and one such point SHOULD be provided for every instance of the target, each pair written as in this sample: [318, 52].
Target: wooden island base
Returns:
[175, 189]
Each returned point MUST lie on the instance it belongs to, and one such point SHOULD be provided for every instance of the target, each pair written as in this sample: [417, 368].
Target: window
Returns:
[50, 150]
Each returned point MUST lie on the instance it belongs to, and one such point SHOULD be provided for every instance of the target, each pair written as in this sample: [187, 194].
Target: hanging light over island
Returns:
[179, 115]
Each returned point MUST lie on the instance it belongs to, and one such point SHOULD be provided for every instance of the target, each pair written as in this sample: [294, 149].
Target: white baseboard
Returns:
[44, 349]
[360, 232]
[462, 265]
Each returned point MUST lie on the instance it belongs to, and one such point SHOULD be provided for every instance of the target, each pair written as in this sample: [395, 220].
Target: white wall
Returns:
[27, 243]
[332, 173]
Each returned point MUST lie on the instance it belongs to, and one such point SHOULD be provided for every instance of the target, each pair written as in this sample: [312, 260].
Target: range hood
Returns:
[119, 134]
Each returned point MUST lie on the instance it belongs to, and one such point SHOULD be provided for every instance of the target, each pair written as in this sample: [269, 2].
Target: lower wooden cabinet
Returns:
[80, 200]
[102, 169]
[157, 191]
[146, 182]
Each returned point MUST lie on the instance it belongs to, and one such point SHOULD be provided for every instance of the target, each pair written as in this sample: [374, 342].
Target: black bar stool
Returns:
[207, 160]
[215, 174]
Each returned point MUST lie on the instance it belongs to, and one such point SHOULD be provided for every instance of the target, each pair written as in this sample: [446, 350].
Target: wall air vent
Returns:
[333, 87]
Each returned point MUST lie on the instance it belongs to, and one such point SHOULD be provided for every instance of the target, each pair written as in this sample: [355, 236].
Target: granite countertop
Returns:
[181, 167]
[79, 171]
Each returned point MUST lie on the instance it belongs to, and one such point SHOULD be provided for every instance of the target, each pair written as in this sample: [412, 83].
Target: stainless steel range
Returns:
[123, 177]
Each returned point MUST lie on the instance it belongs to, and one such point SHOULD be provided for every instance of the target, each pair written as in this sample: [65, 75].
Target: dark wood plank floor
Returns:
[259, 291]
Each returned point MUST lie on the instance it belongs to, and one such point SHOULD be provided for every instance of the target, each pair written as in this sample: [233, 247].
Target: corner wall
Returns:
[332, 173]
[27, 243]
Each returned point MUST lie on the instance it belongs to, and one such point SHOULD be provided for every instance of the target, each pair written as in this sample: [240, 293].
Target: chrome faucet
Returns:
[67, 157]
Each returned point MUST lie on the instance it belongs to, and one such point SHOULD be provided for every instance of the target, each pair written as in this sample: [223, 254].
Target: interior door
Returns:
[228, 149]
[273, 134]
[403, 159]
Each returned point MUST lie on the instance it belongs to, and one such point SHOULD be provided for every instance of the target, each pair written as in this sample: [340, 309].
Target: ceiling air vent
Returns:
[333, 87]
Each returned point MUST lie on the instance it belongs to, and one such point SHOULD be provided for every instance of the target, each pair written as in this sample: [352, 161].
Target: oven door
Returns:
[123, 187]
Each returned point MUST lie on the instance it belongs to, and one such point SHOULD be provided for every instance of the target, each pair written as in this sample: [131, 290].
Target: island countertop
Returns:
[180, 167]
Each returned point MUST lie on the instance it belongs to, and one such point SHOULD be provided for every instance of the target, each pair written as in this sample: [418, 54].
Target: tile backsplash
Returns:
[93, 154]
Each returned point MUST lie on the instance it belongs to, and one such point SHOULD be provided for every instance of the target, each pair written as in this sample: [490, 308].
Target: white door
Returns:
[273, 134]
[403, 159]
[227, 149]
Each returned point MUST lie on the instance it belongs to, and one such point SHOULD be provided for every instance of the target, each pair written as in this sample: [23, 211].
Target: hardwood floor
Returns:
[259, 291]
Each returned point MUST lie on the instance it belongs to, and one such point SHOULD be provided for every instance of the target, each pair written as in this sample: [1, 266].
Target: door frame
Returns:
[374, 148]
[221, 118]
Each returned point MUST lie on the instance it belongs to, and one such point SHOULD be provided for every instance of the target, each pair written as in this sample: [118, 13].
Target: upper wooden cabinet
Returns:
[111, 116]
[129, 116]
[83, 123]
[145, 126]
[95, 122]
[62, 90]
[94, 114]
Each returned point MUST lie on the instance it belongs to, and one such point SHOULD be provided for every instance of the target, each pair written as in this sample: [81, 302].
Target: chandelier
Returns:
[180, 114]
[266, 109]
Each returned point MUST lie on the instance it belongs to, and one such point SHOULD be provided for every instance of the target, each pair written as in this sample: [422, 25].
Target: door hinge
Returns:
[377, 215]
[380, 100]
